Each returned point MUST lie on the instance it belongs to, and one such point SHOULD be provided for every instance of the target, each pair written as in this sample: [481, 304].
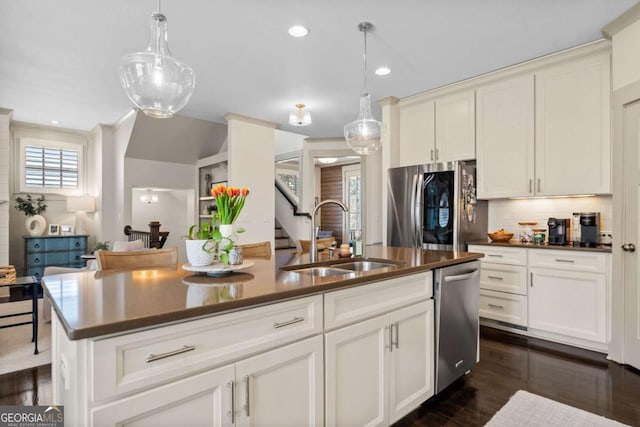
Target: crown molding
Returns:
[621, 22]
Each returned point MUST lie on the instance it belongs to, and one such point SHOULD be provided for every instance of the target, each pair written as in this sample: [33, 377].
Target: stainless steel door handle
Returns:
[539, 186]
[414, 213]
[397, 325]
[432, 154]
[296, 319]
[460, 277]
[245, 380]
[500, 307]
[530, 186]
[495, 277]
[390, 329]
[184, 349]
[629, 247]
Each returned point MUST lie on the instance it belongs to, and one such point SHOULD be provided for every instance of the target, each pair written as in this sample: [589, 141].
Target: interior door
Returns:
[631, 238]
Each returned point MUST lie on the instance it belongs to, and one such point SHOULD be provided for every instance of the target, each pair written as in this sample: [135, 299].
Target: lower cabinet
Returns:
[282, 387]
[382, 366]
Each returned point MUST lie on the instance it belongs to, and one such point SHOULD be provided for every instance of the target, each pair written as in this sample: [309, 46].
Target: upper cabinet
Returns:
[573, 122]
[456, 127]
[440, 130]
[417, 133]
[505, 140]
[546, 133]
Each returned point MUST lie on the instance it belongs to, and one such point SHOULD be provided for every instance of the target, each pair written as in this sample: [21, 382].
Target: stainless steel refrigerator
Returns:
[434, 206]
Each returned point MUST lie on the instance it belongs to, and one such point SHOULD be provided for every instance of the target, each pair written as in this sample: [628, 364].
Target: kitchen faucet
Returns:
[313, 252]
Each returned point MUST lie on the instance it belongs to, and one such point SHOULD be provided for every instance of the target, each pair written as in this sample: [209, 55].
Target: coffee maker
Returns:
[589, 228]
[558, 231]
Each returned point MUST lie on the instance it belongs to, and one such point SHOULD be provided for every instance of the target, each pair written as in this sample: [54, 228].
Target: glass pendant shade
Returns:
[156, 82]
[299, 117]
[364, 135]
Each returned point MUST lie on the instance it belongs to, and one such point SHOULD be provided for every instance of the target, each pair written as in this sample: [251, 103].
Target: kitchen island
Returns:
[156, 346]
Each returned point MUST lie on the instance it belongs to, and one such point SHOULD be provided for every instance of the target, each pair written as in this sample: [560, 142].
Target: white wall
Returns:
[5, 203]
[171, 210]
[507, 213]
[287, 142]
[251, 154]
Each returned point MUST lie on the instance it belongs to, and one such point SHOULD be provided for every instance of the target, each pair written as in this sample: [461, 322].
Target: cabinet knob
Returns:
[629, 247]
[77, 244]
[37, 260]
[37, 246]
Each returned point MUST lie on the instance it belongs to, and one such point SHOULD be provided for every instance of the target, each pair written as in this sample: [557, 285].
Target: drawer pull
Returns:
[397, 325]
[296, 319]
[77, 244]
[495, 255]
[564, 260]
[496, 277]
[184, 349]
[37, 246]
[499, 307]
[232, 413]
[37, 260]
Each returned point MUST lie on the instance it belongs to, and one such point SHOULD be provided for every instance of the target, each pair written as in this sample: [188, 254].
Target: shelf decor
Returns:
[35, 223]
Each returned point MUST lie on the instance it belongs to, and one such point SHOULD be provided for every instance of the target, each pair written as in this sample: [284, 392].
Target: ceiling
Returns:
[58, 59]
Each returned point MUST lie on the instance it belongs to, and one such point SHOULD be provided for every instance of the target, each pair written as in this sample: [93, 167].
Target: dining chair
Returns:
[260, 249]
[110, 260]
[305, 245]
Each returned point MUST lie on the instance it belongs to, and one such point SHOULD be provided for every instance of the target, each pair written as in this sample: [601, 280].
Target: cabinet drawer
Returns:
[57, 258]
[57, 244]
[35, 272]
[77, 243]
[36, 260]
[595, 262]
[35, 245]
[74, 257]
[148, 358]
[501, 255]
[352, 305]
[504, 307]
[504, 278]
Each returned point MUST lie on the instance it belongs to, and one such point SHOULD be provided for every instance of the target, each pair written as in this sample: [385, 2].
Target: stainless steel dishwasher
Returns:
[456, 294]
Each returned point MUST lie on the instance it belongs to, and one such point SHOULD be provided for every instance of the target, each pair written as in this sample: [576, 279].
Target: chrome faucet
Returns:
[313, 252]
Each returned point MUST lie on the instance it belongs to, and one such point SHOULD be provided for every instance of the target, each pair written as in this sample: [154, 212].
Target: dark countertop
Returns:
[91, 304]
[518, 244]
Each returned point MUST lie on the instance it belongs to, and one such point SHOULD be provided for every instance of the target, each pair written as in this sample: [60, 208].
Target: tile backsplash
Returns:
[507, 213]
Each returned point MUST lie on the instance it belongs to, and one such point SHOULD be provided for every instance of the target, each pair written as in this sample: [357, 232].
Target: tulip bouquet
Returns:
[230, 201]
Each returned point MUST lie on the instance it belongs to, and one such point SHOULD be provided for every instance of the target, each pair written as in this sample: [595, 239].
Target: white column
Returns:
[389, 152]
[5, 202]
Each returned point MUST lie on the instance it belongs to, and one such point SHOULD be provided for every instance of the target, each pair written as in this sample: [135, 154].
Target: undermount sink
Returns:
[323, 271]
[365, 265]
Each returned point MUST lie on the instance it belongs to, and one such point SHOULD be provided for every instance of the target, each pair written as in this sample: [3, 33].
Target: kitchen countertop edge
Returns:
[517, 244]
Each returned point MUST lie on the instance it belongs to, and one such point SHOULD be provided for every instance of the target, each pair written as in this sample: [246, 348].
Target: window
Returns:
[50, 166]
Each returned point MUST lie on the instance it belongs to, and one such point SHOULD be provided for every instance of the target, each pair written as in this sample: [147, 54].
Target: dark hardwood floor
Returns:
[509, 363]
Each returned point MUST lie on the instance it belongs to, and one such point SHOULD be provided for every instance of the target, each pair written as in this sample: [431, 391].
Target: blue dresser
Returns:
[45, 251]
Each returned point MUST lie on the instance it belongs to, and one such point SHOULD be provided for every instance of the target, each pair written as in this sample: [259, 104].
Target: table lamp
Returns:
[81, 205]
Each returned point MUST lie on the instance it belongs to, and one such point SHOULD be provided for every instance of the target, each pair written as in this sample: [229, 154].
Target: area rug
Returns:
[525, 409]
[16, 348]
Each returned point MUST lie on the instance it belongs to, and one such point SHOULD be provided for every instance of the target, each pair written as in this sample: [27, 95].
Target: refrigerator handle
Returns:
[414, 183]
[417, 211]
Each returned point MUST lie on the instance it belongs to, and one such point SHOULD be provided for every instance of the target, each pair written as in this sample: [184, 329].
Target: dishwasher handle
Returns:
[460, 277]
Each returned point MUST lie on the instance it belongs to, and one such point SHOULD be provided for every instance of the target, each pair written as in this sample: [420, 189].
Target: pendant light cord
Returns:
[365, 59]
[159, 9]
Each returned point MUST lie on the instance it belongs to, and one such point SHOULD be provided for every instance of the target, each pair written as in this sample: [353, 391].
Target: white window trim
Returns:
[37, 142]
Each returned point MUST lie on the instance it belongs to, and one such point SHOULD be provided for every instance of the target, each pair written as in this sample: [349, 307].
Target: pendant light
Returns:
[365, 133]
[299, 117]
[156, 82]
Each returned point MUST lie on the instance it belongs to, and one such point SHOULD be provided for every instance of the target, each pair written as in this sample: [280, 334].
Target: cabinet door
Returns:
[416, 133]
[201, 400]
[569, 303]
[282, 387]
[505, 139]
[411, 366]
[456, 127]
[573, 141]
[356, 380]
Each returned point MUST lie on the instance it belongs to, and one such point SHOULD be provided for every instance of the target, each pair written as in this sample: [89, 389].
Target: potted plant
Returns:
[35, 223]
[229, 201]
[200, 246]
[101, 246]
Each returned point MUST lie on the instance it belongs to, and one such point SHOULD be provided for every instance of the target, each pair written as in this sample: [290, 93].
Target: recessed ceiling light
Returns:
[55, 122]
[298, 31]
[383, 71]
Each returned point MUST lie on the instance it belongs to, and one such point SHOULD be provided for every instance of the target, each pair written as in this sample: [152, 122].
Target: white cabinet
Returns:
[440, 130]
[416, 133]
[381, 366]
[568, 300]
[503, 284]
[505, 138]
[283, 387]
[456, 127]
[573, 141]
[204, 400]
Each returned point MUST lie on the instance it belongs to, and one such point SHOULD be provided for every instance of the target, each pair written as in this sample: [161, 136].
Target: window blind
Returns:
[51, 167]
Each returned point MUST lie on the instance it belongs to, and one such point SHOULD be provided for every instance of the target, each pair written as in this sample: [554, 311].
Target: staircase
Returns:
[282, 240]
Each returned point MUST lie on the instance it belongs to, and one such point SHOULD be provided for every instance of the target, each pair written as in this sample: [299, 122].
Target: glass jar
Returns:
[525, 231]
[539, 235]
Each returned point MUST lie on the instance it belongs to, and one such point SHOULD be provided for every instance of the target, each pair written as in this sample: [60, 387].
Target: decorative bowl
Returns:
[500, 237]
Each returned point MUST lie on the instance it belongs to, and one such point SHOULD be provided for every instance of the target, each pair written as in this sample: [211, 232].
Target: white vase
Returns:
[36, 225]
[227, 230]
[196, 255]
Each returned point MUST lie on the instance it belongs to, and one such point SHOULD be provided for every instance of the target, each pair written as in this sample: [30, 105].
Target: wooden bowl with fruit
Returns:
[500, 236]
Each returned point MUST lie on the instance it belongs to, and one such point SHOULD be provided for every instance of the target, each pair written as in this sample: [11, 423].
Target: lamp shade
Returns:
[300, 117]
[81, 204]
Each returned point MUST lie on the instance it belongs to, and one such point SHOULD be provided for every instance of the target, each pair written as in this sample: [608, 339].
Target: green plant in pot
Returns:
[35, 222]
[207, 239]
